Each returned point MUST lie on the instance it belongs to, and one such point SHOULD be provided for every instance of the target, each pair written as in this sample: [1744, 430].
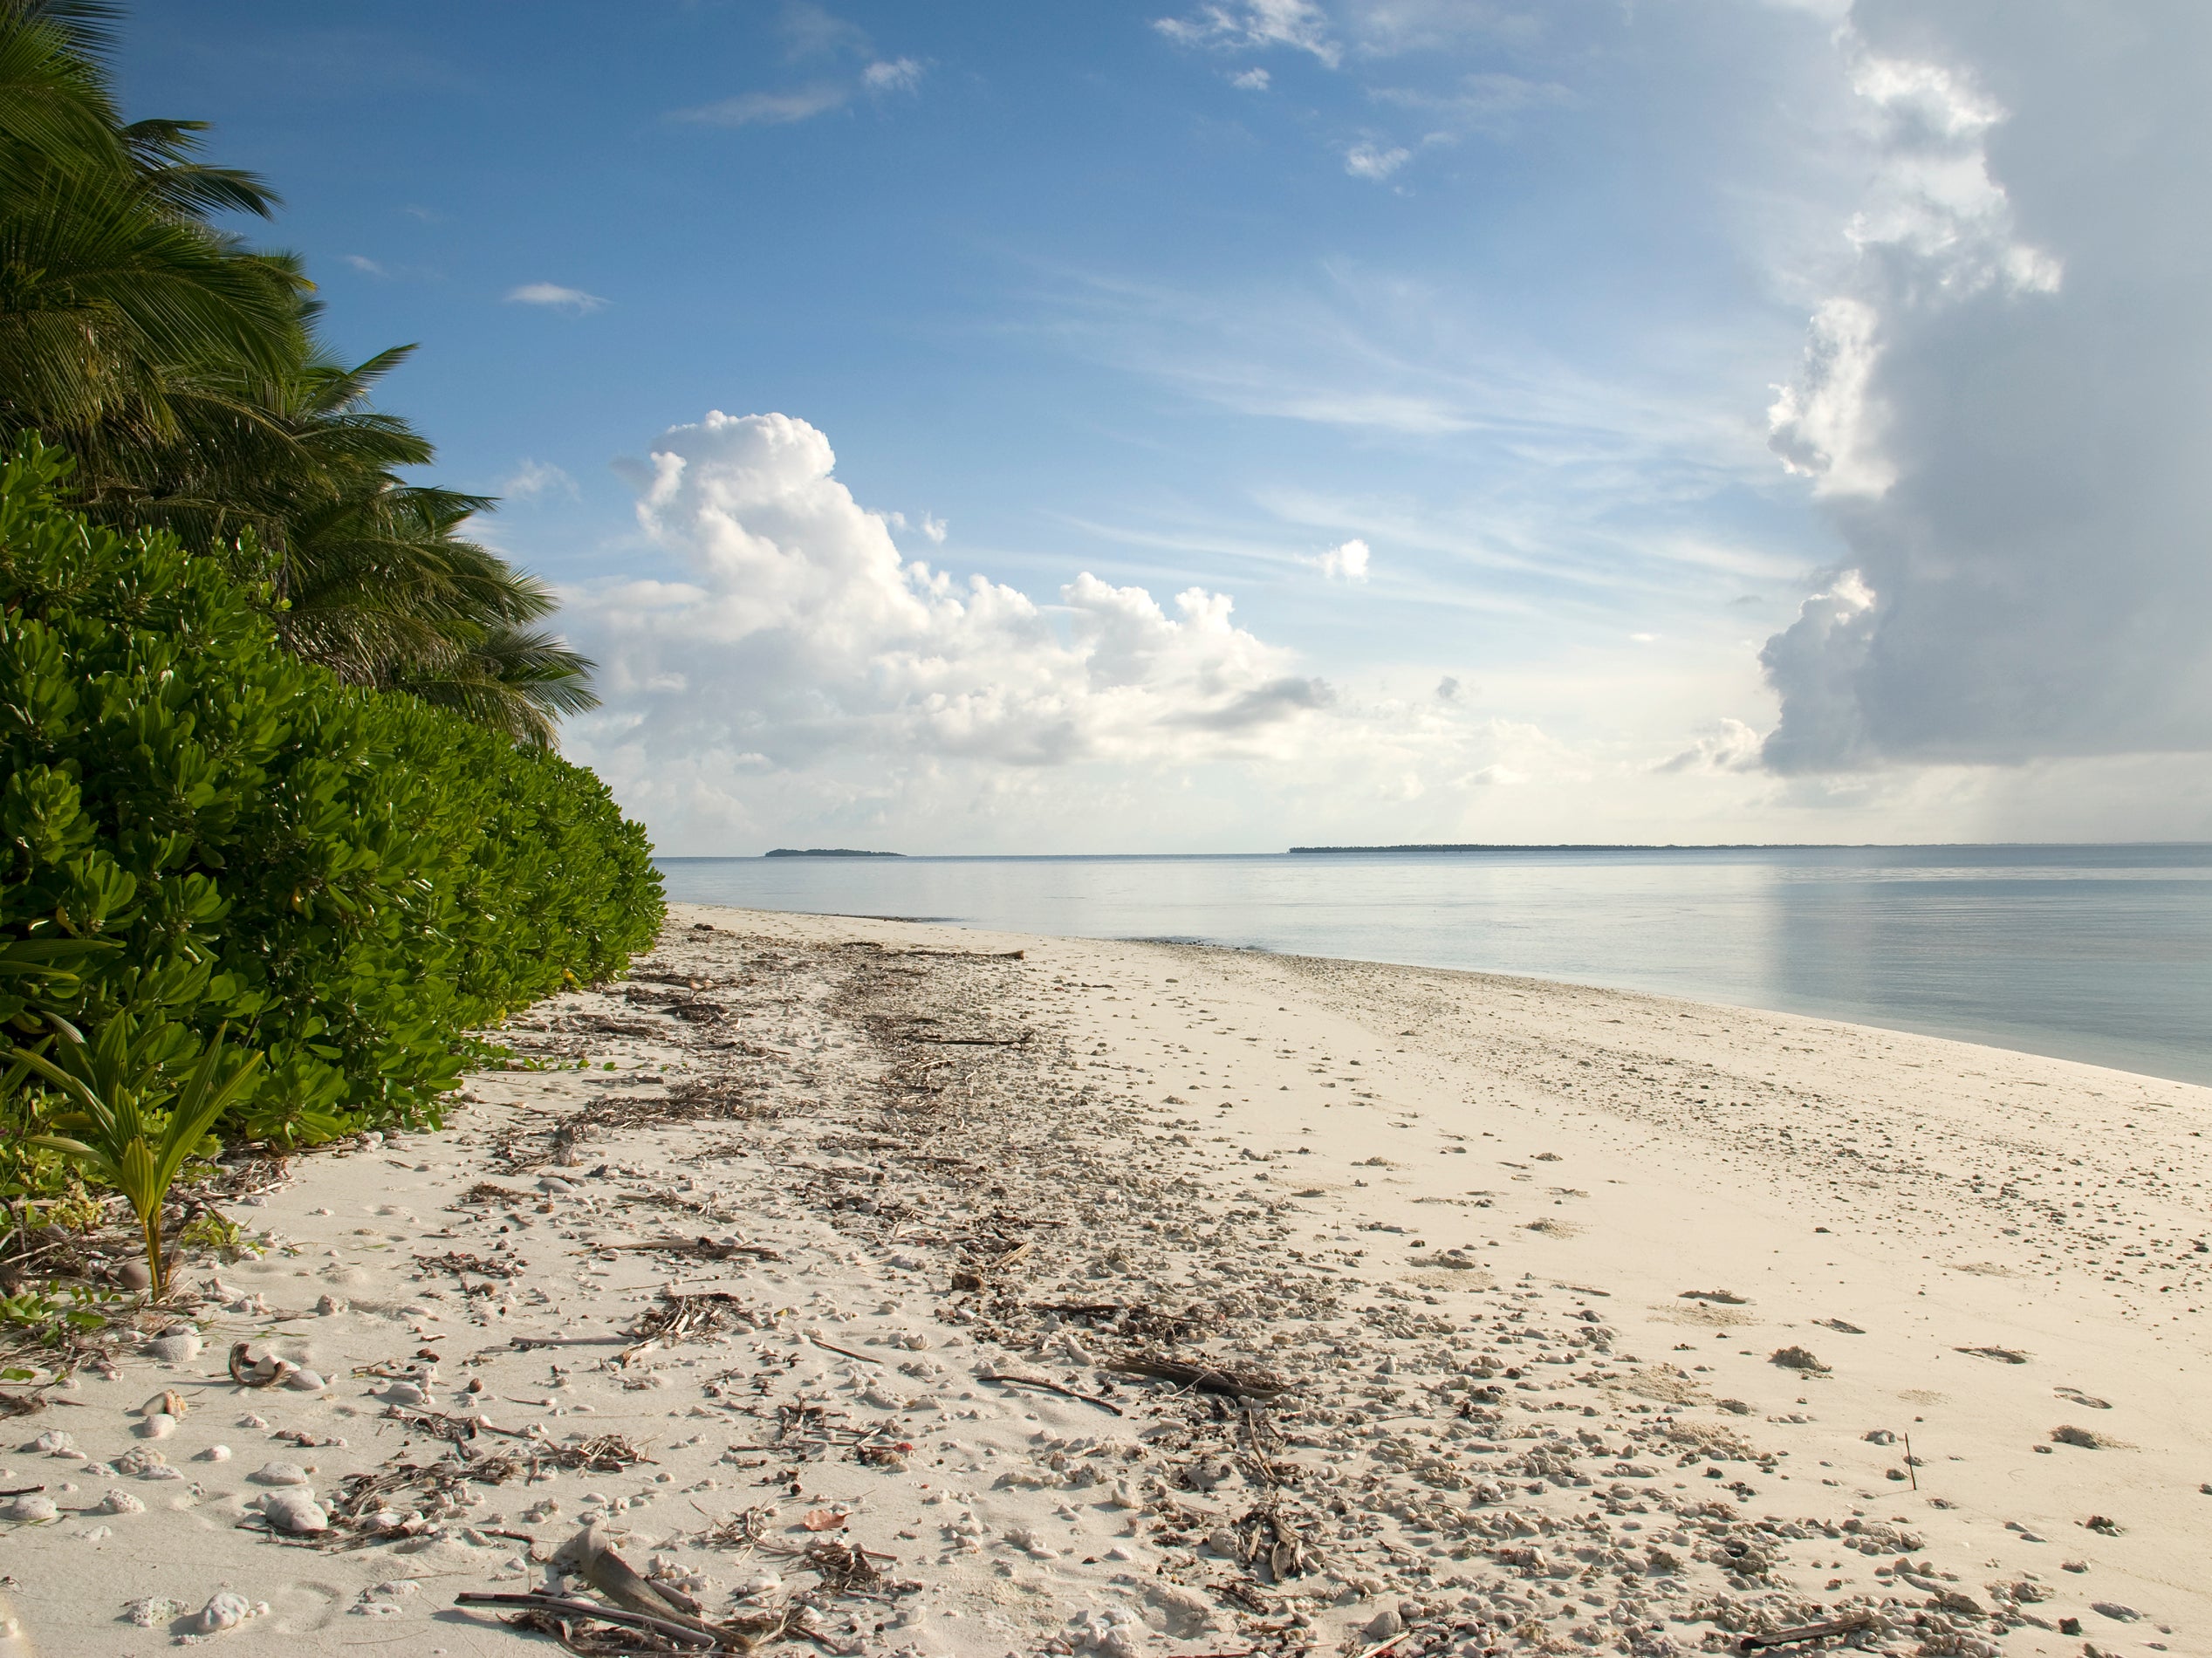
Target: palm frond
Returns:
[162, 151]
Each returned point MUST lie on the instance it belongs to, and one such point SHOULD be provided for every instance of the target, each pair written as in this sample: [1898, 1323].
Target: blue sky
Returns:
[1519, 372]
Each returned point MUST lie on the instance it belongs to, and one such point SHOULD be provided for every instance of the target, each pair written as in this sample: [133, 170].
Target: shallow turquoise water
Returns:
[2095, 952]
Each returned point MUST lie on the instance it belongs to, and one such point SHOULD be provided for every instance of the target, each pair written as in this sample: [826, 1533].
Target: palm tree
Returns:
[181, 370]
[113, 289]
[375, 578]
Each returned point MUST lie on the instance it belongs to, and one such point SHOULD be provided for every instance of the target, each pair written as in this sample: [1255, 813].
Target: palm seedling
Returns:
[129, 1127]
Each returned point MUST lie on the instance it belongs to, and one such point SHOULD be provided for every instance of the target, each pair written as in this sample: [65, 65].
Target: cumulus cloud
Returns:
[2004, 403]
[1346, 562]
[556, 297]
[925, 525]
[1729, 746]
[1251, 80]
[801, 624]
[776, 668]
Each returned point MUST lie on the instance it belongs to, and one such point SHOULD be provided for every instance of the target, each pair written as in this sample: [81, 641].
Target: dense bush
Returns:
[349, 878]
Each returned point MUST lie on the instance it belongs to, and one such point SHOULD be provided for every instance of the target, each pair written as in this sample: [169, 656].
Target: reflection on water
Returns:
[2096, 953]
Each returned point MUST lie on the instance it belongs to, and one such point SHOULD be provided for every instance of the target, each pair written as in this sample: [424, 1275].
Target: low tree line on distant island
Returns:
[276, 737]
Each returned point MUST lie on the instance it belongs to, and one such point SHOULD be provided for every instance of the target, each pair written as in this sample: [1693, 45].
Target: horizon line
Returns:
[1503, 846]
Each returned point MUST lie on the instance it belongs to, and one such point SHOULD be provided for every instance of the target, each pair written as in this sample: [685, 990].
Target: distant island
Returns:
[1477, 846]
[829, 852]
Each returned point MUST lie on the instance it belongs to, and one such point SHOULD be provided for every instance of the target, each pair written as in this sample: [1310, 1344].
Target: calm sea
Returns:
[2095, 952]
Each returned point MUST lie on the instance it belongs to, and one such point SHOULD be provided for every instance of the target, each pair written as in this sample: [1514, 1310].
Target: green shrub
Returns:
[347, 877]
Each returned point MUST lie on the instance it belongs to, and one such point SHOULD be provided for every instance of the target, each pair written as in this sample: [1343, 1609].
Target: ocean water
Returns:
[2102, 954]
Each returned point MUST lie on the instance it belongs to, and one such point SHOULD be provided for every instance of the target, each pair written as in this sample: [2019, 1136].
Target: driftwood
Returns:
[708, 1248]
[1850, 1626]
[691, 1632]
[962, 956]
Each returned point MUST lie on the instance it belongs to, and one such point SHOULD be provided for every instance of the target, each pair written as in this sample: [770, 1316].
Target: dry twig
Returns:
[1050, 1387]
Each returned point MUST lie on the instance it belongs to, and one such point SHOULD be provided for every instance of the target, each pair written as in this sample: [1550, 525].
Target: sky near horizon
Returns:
[1077, 426]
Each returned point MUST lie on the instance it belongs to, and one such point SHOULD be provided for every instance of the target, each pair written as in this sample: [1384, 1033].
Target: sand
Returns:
[1482, 1279]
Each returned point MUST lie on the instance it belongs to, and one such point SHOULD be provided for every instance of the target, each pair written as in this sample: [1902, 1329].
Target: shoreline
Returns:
[1521, 1252]
[1954, 1039]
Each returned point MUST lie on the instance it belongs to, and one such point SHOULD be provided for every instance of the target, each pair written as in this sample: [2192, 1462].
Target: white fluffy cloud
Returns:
[1729, 746]
[803, 633]
[795, 680]
[2005, 404]
[1347, 562]
[798, 678]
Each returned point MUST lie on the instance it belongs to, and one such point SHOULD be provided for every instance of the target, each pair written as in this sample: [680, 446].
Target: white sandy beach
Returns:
[1493, 1271]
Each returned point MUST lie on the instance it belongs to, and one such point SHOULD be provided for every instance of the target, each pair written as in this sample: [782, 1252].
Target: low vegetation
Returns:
[277, 765]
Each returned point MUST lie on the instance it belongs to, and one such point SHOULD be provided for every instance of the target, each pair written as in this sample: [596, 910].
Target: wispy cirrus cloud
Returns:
[385, 271]
[780, 108]
[893, 75]
[813, 34]
[1408, 39]
[553, 297]
[1486, 102]
[535, 480]
[1252, 25]
[1369, 161]
[789, 106]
